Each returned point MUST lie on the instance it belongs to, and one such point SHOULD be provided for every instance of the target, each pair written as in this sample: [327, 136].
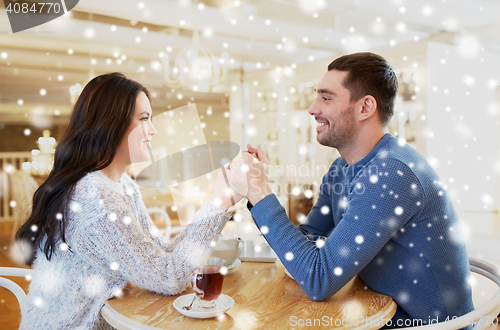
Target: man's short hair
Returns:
[369, 74]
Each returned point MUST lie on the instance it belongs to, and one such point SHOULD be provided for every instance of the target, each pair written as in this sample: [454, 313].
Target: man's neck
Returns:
[361, 147]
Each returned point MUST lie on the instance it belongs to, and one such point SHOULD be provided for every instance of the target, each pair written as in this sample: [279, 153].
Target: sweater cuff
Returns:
[213, 211]
[264, 206]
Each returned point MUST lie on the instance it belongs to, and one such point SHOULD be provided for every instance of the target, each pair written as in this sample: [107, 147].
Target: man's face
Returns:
[334, 111]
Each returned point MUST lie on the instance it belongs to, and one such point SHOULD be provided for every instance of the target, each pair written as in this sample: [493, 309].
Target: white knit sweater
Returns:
[112, 241]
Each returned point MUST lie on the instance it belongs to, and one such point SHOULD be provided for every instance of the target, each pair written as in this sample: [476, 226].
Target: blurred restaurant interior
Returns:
[249, 67]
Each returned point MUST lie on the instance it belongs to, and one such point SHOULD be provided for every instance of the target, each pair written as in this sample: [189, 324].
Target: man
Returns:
[384, 210]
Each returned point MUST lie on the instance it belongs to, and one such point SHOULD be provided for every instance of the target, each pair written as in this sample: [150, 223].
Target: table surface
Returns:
[265, 298]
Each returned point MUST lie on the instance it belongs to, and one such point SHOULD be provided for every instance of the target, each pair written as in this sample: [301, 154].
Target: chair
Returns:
[23, 187]
[167, 231]
[11, 285]
[483, 315]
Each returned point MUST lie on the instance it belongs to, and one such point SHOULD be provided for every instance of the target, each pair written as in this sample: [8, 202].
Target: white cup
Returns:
[227, 249]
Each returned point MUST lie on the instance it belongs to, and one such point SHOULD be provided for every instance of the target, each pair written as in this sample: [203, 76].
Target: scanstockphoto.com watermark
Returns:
[327, 321]
[294, 183]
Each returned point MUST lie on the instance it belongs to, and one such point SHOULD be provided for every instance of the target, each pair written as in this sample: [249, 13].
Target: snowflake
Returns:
[75, 207]
[94, 285]
[359, 239]
[114, 265]
[373, 179]
[413, 186]
[398, 210]
[264, 230]
[400, 173]
[320, 243]
[38, 302]
[289, 256]
[400, 266]
[117, 292]
[325, 210]
[343, 203]
[63, 247]
[59, 216]
[112, 217]
[344, 251]
[223, 270]
[337, 271]
[34, 228]
[127, 220]
[404, 297]
[155, 232]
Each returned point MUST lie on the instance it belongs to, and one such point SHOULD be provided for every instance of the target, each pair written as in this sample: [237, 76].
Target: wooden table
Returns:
[265, 298]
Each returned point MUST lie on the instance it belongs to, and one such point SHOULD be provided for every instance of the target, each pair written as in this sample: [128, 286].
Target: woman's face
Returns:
[134, 146]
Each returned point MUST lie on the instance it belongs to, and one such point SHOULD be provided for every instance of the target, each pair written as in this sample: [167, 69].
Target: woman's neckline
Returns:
[109, 179]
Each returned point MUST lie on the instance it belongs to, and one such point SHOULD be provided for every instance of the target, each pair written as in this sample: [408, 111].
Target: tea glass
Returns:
[207, 280]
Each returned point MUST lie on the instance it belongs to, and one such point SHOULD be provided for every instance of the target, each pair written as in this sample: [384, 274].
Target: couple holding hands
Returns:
[380, 206]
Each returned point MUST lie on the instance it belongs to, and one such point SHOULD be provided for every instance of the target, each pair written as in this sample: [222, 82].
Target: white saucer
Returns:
[235, 264]
[223, 304]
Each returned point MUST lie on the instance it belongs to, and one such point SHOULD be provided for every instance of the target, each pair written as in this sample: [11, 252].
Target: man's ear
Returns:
[367, 107]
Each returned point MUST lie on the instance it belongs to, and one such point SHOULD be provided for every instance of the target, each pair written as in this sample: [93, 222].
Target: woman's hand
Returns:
[236, 175]
[258, 167]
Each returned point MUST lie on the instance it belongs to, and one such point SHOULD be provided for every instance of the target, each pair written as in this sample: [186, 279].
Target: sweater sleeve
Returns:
[115, 241]
[377, 209]
[320, 220]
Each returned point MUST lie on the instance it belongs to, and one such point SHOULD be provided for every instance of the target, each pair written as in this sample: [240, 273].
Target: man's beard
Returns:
[342, 133]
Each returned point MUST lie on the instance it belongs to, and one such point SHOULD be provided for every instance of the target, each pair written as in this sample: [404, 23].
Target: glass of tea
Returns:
[207, 280]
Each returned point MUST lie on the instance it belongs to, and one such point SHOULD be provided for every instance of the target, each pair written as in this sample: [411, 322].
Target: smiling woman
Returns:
[89, 232]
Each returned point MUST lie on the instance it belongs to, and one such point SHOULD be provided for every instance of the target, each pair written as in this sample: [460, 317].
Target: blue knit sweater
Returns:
[388, 219]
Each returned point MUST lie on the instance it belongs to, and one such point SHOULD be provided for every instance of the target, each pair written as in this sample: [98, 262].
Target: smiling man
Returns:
[385, 212]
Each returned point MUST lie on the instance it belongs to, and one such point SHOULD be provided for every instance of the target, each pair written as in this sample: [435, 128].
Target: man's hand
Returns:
[221, 193]
[258, 165]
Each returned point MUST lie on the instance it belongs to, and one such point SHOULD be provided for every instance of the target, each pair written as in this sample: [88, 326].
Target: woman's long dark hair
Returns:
[100, 118]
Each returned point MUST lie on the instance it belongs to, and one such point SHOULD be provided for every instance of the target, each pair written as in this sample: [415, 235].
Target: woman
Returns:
[89, 228]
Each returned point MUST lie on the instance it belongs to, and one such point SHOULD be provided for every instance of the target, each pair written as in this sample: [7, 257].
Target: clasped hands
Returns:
[247, 176]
